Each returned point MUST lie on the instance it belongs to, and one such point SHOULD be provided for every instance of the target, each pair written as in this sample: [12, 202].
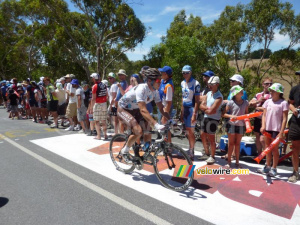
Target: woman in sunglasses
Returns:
[257, 103]
[190, 105]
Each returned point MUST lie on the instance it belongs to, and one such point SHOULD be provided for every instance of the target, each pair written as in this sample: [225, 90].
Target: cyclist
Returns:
[190, 105]
[132, 109]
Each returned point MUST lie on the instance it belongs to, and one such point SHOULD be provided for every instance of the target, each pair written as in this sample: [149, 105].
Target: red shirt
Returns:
[101, 92]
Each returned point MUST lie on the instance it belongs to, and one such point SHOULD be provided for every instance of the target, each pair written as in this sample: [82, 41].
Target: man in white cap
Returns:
[71, 112]
[122, 86]
[112, 101]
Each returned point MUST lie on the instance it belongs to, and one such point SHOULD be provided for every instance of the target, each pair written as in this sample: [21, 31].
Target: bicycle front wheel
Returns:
[173, 168]
[116, 144]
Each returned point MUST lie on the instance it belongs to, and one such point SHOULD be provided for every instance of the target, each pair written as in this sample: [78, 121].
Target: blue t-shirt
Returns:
[211, 98]
[3, 89]
[244, 97]
[124, 85]
[189, 91]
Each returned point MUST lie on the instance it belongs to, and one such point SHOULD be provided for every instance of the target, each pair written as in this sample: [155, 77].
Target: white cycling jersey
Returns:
[189, 90]
[139, 93]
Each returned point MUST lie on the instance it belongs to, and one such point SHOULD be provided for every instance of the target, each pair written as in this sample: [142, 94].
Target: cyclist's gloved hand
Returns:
[159, 126]
[171, 121]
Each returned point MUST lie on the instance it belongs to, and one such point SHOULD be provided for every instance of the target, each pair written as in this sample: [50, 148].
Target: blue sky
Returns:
[158, 14]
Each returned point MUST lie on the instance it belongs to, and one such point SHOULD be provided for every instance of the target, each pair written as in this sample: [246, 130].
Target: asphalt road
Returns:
[39, 187]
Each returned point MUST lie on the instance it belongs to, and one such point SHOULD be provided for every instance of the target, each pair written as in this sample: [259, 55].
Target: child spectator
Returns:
[13, 99]
[274, 121]
[235, 129]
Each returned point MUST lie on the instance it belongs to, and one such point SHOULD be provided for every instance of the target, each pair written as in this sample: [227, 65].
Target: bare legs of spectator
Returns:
[296, 151]
[55, 118]
[116, 124]
[234, 141]
[274, 152]
[260, 142]
[205, 143]
[104, 127]
[33, 112]
[98, 130]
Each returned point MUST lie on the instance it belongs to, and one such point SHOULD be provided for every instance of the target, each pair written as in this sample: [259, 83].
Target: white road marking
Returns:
[198, 203]
[131, 207]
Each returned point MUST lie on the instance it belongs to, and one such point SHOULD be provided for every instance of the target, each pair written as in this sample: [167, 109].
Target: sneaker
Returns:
[54, 126]
[294, 177]
[264, 170]
[272, 172]
[70, 128]
[81, 132]
[210, 161]
[203, 157]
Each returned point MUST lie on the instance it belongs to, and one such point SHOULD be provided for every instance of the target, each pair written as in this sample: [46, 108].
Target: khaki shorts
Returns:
[100, 111]
[71, 110]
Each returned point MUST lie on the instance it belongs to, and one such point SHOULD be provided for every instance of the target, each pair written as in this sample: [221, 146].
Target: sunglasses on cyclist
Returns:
[184, 73]
[156, 80]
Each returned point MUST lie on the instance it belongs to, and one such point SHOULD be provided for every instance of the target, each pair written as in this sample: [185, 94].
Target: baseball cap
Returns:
[235, 90]
[95, 76]
[187, 68]
[123, 72]
[83, 83]
[214, 80]
[74, 81]
[111, 74]
[70, 76]
[237, 77]
[276, 87]
[166, 69]
[105, 82]
[208, 73]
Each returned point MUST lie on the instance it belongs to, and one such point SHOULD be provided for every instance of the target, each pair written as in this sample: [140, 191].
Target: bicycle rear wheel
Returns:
[116, 144]
[173, 168]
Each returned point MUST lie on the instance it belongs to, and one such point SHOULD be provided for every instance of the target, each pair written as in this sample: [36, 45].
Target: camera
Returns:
[298, 110]
[297, 73]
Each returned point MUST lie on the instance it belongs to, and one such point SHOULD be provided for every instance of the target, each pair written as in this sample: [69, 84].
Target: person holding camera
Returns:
[294, 131]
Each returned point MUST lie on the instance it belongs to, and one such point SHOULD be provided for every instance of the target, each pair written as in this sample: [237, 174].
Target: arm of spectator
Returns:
[122, 91]
[196, 108]
[263, 121]
[213, 109]
[283, 125]
[293, 108]
[203, 105]
[78, 101]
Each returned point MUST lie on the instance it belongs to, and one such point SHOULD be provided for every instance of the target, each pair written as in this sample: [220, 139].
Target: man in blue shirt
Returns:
[3, 92]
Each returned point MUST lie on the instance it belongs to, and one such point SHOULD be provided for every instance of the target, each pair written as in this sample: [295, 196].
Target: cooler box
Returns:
[248, 146]
[224, 143]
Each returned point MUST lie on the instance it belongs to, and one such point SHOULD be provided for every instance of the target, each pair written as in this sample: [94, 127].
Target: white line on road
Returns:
[133, 208]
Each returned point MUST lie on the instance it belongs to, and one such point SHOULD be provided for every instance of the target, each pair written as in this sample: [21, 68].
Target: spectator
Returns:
[134, 81]
[43, 109]
[13, 99]
[166, 94]
[190, 105]
[99, 106]
[3, 92]
[294, 131]
[203, 91]
[112, 101]
[122, 86]
[71, 112]
[32, 100]
[62, 105]
[81, 109]
[257, 102]
[211, 106]
[52, 101]
[14, 84]
[235, 129]
[273, 122]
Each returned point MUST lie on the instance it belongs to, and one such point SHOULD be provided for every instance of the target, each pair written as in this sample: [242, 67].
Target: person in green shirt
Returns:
[52, 101]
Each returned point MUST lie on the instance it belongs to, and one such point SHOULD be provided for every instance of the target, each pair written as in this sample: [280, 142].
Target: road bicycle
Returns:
[171, 164]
